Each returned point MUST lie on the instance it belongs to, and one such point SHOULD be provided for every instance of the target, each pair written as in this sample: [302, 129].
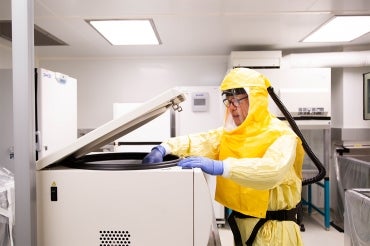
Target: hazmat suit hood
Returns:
[255, 84]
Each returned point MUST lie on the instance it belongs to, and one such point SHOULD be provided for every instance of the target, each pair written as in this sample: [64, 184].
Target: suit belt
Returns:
[280, 215]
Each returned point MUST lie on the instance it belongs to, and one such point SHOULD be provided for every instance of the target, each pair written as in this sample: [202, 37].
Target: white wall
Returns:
[352, 98]
[102, 82]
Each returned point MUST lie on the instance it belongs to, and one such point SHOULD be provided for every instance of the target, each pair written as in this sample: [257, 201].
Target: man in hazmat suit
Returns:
[257, 159]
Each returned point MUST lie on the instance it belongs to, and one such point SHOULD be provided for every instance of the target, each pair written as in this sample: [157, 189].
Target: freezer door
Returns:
[56, 100]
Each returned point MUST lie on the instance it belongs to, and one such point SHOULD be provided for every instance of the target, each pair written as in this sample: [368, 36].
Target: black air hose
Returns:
[306, 147]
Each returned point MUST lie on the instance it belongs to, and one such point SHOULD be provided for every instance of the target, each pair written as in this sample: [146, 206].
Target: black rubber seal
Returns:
[119, 161]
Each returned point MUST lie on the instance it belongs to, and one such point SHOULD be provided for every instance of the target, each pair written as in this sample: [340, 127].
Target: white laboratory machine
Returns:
[81, 201]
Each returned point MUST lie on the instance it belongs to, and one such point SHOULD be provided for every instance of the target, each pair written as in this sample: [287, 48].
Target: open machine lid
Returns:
[116, 128]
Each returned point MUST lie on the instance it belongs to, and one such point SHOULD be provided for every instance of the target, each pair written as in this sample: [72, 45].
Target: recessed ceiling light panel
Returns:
[127, 31]
[341, 29]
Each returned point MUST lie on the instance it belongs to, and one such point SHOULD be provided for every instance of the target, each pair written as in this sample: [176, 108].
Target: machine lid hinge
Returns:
[176, 106]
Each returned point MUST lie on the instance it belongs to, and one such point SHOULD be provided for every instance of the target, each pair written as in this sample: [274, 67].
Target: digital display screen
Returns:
[199, 101]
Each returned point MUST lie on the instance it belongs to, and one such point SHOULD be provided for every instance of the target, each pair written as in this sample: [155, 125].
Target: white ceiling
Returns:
[190, 27]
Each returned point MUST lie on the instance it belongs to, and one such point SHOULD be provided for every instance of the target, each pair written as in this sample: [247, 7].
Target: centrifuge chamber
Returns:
[81, 201]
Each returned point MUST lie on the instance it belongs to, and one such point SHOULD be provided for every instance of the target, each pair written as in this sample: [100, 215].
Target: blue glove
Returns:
[207, 165]
[155, 156]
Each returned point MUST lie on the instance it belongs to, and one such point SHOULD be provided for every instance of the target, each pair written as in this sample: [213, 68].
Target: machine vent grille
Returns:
[115, 238]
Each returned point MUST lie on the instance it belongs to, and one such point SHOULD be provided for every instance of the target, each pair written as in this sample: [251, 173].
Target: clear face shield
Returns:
[237, 105]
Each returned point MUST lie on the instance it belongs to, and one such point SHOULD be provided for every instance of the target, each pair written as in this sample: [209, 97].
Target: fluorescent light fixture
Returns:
[341, 29]
[127, 31]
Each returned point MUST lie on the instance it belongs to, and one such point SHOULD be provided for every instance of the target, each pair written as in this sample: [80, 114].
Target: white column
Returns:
[23, 106]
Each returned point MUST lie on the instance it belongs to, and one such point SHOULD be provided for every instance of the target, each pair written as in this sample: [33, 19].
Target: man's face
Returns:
[238, 106]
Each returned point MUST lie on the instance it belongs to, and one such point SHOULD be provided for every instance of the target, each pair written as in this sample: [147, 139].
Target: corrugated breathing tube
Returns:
[306, 147]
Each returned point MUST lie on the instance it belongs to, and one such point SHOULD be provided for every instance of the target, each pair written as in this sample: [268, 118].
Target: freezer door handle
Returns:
[38, 141]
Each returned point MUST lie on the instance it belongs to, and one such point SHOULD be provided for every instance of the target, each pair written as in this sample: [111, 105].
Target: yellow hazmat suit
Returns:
[262, 161]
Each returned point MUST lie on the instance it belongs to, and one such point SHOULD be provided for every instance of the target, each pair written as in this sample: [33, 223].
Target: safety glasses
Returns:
[234, 101]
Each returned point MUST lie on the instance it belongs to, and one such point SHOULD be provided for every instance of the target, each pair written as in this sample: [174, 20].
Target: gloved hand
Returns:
[155, 156]
[207, 165]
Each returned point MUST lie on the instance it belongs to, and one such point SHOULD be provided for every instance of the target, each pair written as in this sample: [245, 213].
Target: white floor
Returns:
[315, 233]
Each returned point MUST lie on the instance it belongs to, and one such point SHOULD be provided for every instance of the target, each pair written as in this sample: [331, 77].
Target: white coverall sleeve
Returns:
[266, 172]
